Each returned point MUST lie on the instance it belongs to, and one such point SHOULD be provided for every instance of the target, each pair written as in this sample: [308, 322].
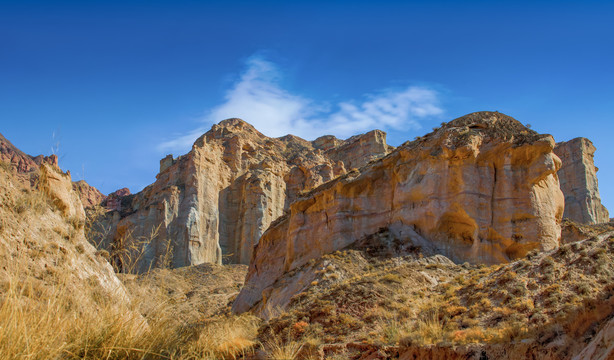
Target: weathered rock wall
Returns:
[482, 189]
[214, 203]
[578, 178]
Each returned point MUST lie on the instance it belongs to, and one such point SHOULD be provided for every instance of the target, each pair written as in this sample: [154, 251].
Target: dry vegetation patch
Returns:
[548, 304]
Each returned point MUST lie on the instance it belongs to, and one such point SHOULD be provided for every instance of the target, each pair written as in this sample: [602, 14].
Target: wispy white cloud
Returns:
[258, 98]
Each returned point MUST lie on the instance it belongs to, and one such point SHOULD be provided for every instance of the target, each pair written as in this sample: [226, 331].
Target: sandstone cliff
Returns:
[482, 189]
[216, 201]
[578, 178]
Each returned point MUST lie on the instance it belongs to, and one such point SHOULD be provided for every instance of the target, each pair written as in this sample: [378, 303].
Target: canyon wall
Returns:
[578, 178]
[214, 203]
[481, 189]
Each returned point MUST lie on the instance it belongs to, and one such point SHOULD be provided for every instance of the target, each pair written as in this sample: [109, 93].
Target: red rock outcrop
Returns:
[89, 195]
[12, 155]
[27, 168]
[482, 189]
[578, 178]
[216, 201]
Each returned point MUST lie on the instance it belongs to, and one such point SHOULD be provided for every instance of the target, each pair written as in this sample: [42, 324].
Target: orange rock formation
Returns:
[481, 189]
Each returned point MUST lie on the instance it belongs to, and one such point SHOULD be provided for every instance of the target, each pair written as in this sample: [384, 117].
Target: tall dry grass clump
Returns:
[224, 338]
[39, 321]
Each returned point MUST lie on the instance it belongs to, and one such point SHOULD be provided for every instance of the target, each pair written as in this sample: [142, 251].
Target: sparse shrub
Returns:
[547, 262]
[454, 310]
[485, 303]
[103, 254]
[469, 322]
[522, 304]
[391, 278]
[515, 330]
[430, 328]
[467, 336]
[538, 318]
[507, 277]
[583, 288]
[278, 349]
[80, 248]
[224, 338]
[565, 250]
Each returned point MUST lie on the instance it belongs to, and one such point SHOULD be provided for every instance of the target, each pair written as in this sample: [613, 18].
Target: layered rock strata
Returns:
[481, 189]
[214, 203]
[578, 178]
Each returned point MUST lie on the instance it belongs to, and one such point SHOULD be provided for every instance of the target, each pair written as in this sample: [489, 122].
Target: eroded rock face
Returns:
[482, 189]
[12, 155]
[214, 203]
[89, 195]
[578, 178]
[58, 186]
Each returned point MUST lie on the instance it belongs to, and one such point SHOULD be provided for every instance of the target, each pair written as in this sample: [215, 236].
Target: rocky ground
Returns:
[548, 305]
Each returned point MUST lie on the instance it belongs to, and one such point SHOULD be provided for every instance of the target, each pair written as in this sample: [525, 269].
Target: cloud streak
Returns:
[258, 98]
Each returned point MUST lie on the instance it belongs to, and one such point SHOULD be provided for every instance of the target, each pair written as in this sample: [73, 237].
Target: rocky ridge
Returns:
[26, 170]
[214, 203]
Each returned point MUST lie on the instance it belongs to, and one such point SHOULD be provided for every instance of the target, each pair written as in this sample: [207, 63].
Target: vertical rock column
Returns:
[578, 178]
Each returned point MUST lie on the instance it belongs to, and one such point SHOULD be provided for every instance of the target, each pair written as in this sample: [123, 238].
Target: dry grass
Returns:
[37, 322]
[559, 296]
[276, 348]
[42, 327]
[225, 337]
[57, 302]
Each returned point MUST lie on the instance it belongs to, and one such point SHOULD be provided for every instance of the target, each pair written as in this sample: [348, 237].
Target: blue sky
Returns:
[114, 86]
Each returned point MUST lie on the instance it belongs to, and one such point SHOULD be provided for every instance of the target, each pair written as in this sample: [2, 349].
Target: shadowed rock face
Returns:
[578, 177]
[482, 189]
[214, 203]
